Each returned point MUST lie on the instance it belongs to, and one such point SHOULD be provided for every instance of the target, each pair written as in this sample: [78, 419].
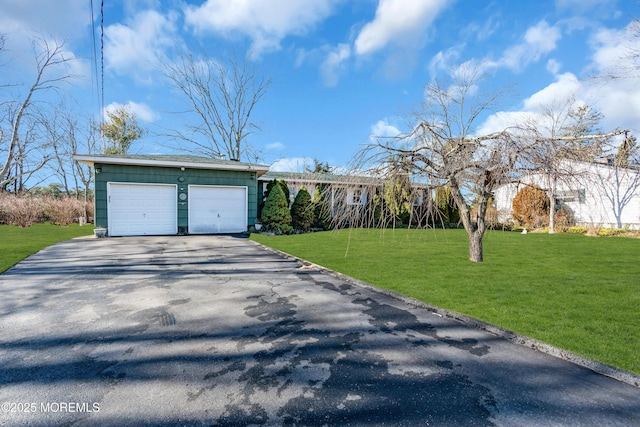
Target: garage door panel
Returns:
[142, 209]
[217, 209]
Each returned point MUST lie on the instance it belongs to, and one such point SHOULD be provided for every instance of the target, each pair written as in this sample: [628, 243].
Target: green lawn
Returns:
[17, 243]
[575, 292]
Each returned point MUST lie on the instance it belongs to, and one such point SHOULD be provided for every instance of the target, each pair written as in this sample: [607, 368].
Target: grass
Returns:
[17, 243]
[575, 292]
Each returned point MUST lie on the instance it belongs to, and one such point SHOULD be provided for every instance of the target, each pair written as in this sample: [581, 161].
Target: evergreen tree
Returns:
[302, 210]
[283, 185]
[321, 210]
[275, 213]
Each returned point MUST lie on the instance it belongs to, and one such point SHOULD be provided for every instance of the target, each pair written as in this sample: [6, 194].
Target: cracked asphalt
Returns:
[217, 331]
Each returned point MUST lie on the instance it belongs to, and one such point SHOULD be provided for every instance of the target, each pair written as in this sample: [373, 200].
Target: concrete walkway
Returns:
[204, 330]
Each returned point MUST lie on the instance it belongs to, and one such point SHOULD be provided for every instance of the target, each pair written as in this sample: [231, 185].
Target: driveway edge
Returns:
[597, 367]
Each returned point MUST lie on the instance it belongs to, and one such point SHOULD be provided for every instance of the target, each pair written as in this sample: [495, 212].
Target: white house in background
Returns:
[598, 193]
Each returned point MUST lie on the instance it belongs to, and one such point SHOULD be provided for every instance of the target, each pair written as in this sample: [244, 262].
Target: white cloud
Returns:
[566, 86]
[334, 64]
[134, 47]
[142, 111]
[502, 120]
[67, 19]
[538, 41]
[275, 146]
[553, 66]
[295, 164]
[265, 22]
[383, 129]
[23, 22]
[398, 21]
[583, 5]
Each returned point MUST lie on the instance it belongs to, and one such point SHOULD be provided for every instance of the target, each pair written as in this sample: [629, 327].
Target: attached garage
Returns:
[173, 194]
[216, 209]
[142, 209]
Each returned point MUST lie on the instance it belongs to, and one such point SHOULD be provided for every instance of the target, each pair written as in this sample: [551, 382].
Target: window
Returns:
[356, 199]
[571, 196]
[356, 196]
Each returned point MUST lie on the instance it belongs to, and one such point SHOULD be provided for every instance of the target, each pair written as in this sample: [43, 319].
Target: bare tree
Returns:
[551, 143]
[67, 135]
[223, 94]
[51, 70]
[442, 150]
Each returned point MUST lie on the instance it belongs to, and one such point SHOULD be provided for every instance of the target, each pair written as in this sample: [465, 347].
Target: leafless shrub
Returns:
[20, 211]
[63, 211]
[25, 210]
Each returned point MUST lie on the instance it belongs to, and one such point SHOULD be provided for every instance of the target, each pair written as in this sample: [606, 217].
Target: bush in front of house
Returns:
[275, 215]
[282, 184]
[531, 207]
[321, 210]
[302, 211]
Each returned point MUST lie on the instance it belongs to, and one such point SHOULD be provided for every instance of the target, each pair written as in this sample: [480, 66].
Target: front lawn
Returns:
[575, 292]
[17, 243]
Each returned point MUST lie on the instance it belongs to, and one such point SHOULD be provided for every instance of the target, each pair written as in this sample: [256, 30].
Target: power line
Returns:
[102, 71]
[99, 80]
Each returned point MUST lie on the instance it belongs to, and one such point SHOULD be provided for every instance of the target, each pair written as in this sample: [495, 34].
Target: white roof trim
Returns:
[91, 160]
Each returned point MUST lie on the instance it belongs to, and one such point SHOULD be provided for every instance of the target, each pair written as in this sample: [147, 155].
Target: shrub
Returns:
[564, 219]
[63, 211]
[576, 230]
[321, 210]
[491, 218]
[606, 232]
[26, 210]
[283, 185]
[275, 213]
[531, 207]
[22, 211]
[448, 211]
[302, 211]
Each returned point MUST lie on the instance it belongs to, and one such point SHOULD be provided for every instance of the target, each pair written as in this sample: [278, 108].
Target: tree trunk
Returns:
[551, 193]
[475, 247]
[552, 211]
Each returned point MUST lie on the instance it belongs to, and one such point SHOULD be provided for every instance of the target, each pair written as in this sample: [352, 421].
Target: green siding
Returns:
[163, 175]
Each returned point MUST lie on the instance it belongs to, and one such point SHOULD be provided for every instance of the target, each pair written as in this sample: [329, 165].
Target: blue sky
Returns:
[342, 70]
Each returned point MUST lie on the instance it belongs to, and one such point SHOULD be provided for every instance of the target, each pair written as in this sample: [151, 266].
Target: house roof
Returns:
[328, 178]
[320, 178]
[171, 161]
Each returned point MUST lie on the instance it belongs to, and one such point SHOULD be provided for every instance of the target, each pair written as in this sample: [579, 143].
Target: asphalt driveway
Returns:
[203, 330]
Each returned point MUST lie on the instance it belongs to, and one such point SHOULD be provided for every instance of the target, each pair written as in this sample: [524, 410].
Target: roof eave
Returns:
[244, 167]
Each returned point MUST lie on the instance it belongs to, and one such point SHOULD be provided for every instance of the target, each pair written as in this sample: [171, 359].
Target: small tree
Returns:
[447, 210]
[321, 210]
[275, 213]
[283, 185]
[302, 210]
[121, 129]
[531, 207]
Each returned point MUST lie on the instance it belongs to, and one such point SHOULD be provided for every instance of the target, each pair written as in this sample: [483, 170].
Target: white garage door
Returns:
[142, 209]
[214, 209]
